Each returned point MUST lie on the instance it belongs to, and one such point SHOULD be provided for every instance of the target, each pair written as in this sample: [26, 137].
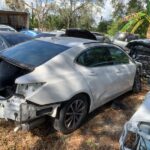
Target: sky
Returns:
[107, 11]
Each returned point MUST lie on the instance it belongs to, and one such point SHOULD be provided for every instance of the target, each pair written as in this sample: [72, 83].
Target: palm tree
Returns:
[134, 21]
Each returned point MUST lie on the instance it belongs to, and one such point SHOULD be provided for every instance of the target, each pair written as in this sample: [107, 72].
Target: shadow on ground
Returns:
[100, 131]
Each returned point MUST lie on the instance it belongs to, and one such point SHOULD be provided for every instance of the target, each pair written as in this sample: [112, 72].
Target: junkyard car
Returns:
[31, 33]
[122, 38]
[7, 28]
[8, 39]
[136, 134]
[63, 77]
[140, 51]
[55, 33]
[102, 37]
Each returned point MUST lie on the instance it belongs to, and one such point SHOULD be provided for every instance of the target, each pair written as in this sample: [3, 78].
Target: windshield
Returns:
[33, 53]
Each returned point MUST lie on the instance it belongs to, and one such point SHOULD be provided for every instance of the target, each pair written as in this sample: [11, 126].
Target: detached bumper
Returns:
[19, 110]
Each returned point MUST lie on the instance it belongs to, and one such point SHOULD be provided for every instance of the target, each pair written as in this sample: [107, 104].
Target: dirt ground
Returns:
[100, 132]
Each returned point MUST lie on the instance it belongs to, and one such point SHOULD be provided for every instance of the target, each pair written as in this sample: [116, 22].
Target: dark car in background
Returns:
[140, 51]
[8, 39]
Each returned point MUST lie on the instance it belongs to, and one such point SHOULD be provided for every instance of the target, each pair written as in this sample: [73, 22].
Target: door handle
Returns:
[118, 71]
[92, 73]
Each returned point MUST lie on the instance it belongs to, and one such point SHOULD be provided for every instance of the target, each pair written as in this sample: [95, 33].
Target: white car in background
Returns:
[64, 77]
[136, 133]
[122, 38]
[6, 28]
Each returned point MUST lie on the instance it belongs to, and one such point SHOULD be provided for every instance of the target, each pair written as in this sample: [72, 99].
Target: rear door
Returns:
[96, 65]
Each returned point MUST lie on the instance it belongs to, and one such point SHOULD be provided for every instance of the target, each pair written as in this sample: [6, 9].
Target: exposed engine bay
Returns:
[140, 51]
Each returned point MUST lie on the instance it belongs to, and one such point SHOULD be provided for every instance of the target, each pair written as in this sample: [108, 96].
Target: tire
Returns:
[137, 86]
[72, 114]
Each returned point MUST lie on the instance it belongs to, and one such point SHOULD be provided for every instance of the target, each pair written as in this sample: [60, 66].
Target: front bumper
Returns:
[16, 108]
[128, 127]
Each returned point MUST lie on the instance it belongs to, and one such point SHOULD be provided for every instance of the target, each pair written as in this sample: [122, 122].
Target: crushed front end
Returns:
[135, 136]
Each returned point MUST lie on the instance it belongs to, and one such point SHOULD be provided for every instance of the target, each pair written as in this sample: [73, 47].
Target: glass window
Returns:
[33, 53]
[118, 56]
[14, 39]
[97, 56]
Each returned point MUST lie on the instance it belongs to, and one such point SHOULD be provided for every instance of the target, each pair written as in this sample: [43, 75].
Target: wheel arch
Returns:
[79, 94]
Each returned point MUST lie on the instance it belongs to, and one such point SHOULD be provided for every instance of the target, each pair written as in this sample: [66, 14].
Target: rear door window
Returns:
[95, 57]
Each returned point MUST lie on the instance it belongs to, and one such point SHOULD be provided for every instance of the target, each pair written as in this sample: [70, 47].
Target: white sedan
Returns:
[65, 78]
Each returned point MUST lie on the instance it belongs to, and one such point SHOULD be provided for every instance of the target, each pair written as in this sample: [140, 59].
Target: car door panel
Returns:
[125, 68]
[102, 80]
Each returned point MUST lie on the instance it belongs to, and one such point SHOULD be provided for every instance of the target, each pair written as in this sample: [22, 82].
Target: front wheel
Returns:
[72, 114]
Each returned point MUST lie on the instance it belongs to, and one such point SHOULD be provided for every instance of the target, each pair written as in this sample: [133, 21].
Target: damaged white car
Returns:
[136, 134]
[65, 78]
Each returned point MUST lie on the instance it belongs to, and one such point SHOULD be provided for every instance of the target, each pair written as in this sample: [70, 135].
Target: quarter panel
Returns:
[60, 90]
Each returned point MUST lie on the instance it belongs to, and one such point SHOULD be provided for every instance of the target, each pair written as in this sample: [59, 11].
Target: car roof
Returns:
[57, 32]
[67, 41]
[6, 26]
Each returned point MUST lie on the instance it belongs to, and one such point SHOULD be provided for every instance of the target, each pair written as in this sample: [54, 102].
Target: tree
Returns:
[135, 6]
[16, 5]
[103, 26]
[75, 12]
[40, 11]
[135, 21]
[120, 9]
[115, 26]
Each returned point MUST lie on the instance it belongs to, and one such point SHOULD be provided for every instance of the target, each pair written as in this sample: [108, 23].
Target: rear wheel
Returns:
[72, 114]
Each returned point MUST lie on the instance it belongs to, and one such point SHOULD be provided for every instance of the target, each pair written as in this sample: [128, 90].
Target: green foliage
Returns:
[69, 15]
[142, 30]
[103, 26]
[120, 9]
[114, 27]
[135, 6]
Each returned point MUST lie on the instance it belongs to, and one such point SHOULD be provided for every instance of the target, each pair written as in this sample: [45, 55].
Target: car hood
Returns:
[143, 113]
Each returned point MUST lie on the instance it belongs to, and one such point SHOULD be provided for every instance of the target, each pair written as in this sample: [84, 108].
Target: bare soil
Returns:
[101, 131]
